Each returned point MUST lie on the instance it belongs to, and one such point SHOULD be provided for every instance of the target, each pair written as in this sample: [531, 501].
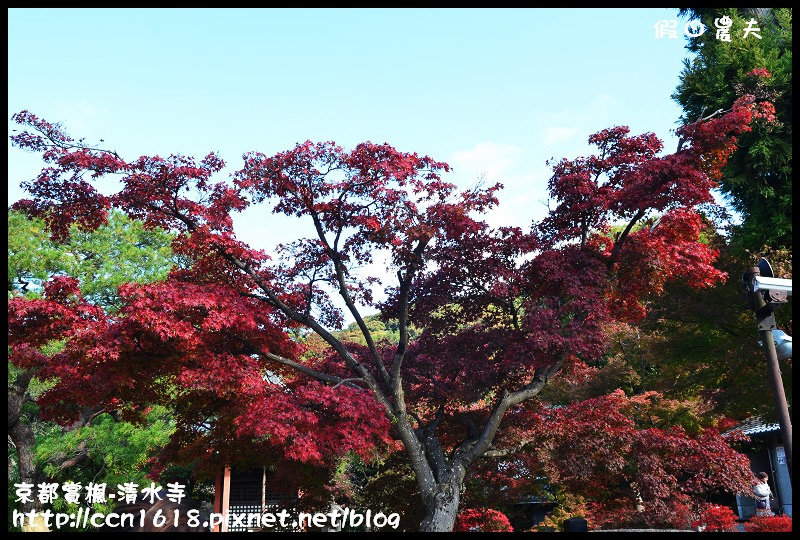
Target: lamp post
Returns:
[765, 294]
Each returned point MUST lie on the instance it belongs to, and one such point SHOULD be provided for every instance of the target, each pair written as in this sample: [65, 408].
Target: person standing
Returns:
[763, 495]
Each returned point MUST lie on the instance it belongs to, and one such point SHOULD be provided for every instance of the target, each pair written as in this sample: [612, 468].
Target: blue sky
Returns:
[492, 92]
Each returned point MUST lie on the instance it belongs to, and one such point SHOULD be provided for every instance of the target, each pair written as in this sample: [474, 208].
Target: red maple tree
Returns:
[716, 518]
[482, 520]
[501, 311]
[769, 524]
[620, 456]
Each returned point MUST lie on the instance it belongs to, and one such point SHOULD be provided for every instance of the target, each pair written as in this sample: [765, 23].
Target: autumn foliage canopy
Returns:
[498, 311]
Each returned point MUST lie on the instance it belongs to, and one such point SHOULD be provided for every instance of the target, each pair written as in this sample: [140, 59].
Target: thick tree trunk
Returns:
[23, 439]
[21, 434]
[442, 508]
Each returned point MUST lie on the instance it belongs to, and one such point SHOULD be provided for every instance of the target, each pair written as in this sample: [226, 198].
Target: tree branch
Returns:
[324, 377]
[505, 452]
[470, 450]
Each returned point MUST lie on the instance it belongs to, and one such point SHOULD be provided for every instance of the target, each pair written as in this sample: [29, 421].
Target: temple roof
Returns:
[755, 425]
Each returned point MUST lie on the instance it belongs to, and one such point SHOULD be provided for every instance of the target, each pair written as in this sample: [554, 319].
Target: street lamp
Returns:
[772, 284]
[783, 344]
[765, 294]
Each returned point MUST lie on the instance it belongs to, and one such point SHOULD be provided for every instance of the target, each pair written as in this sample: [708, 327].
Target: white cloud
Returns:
[573, 126]
[524, 180]
[603, 105]
[523, 202]
[82, 119]
[557, 135]
[488, 160]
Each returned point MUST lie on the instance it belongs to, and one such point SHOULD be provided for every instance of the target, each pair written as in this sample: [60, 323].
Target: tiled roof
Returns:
[755, 425]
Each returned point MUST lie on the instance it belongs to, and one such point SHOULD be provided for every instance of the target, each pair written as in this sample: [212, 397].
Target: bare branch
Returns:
[505, 452]
[344, 381]
[324, 377]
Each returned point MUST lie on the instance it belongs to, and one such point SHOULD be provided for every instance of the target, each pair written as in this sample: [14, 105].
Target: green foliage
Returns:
[568, 506]
[36, 387]
[615, 372]
[703, 346]
[120, 252]
[381, 330]
[118, 449]
[117, 452]
[757, 180]
[32, 258]
[382, 485]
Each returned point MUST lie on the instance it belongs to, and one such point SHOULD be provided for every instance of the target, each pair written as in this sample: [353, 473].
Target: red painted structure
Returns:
[250, 492]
